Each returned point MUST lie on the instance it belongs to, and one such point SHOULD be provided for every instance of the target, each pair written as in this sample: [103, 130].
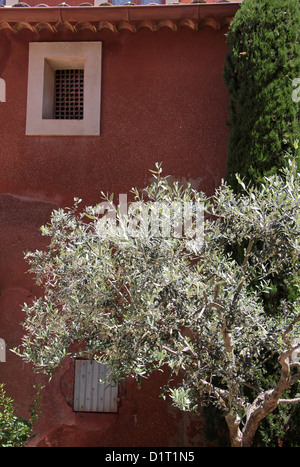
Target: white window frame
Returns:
[2, 351]
[2, 90]
[44, 59]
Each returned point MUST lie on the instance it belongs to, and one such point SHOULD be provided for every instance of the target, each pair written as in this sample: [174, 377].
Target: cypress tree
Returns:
[262, 75]
[261, 67]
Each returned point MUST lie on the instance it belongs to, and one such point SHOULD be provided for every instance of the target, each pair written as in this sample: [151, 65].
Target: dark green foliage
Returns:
[16, 431]
[280, 428]
[262, 63]
[216, 431]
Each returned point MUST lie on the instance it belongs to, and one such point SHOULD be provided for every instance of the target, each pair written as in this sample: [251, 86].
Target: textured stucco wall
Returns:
[163, 99]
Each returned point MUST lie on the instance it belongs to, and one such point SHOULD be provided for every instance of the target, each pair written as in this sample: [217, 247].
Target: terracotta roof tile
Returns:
[66, 17]
[57, 3]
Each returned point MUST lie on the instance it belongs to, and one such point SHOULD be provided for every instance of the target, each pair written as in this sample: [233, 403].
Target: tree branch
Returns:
[255, 387]
[219, 393]
[244, 268]
[289, 401]
[215, 305]
[167, 349]
[288, 329]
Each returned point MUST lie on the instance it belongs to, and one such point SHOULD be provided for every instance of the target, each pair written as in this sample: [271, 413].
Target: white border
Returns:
[91, 52]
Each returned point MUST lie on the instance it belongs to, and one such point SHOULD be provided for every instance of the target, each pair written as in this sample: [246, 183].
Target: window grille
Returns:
[68, 94]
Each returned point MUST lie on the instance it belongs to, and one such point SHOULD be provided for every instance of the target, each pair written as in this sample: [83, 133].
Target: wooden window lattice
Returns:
[69, 86]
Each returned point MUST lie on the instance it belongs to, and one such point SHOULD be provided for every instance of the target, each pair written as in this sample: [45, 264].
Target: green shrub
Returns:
[15, 431]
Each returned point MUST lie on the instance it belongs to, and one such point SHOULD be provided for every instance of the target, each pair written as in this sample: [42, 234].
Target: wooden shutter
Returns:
[91, 395]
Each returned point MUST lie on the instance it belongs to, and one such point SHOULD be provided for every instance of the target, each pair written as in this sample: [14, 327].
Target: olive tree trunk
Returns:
[265, 403]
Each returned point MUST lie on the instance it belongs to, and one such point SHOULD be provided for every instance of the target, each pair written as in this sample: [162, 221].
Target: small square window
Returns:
[64, 88]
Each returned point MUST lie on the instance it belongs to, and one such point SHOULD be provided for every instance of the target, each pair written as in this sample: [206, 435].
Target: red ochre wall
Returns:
[163, 99]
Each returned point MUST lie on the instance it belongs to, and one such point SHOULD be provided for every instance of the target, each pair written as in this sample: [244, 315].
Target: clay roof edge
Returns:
[128, 13]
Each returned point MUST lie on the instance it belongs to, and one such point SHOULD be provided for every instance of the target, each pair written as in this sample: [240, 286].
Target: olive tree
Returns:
[153, 285]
